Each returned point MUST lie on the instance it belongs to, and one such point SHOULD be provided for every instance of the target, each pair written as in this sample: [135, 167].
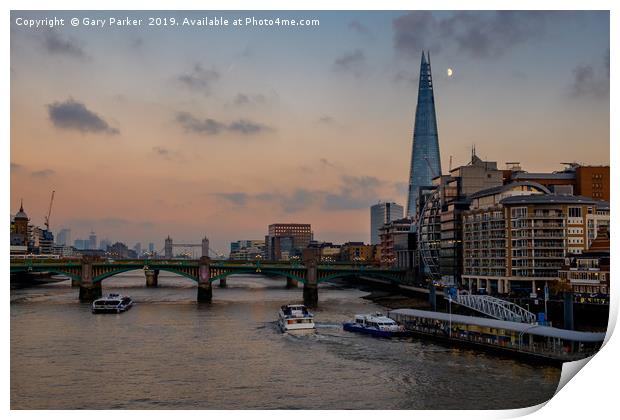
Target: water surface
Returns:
[170, 352]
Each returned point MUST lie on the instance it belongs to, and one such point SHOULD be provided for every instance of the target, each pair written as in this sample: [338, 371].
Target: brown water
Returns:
[170, 352]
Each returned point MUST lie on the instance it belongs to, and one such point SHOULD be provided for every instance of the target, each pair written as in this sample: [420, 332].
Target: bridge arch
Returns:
[101, 277]
[252, 270]
[341, 274]
[73, 276]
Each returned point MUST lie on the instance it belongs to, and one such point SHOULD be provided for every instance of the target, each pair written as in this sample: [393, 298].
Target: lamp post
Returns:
[450, 310]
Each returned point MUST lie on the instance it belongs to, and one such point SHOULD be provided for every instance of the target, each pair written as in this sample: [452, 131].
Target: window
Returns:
[574, 212]
[518, 212]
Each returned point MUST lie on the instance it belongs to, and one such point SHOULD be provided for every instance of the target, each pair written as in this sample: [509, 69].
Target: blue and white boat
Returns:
[377, 325]
[112, 303]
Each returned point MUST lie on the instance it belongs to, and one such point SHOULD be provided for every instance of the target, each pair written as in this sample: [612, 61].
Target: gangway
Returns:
[494, 307]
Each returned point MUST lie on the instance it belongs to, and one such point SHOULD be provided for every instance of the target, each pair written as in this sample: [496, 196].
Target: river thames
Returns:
[168, 352]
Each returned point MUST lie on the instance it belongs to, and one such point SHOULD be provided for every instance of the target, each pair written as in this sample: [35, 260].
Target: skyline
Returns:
[286, 115]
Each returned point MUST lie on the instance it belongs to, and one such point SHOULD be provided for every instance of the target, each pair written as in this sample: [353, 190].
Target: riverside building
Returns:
[516, 237]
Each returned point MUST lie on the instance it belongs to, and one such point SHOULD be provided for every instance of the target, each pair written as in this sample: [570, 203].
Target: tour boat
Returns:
[112, 303]
[295, 318]
[377, 325]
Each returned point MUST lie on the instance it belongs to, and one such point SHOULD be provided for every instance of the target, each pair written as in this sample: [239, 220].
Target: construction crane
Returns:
[49, 212]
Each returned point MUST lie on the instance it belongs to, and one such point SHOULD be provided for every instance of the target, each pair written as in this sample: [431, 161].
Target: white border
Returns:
[590, 395]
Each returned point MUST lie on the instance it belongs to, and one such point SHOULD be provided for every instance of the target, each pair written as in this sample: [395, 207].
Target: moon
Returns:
[449, 72]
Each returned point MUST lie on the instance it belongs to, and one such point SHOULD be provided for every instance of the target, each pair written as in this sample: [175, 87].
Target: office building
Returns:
[64, 237]
[425, 159]
[287, 238]
[380, 214]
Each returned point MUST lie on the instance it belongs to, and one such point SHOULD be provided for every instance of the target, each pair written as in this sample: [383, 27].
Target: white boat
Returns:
[377, 325]
[112, 303]
[295, 318]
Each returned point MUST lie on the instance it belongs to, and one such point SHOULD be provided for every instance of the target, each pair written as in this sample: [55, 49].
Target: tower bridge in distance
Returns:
[88, 273]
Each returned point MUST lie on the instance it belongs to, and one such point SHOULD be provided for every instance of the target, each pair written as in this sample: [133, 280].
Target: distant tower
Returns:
[425, 162]
[168, 247]
[205, 247]
[21, 224]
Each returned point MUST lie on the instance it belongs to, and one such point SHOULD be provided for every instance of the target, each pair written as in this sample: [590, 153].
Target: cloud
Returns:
[478, 34]
[167, 154]
[591, 80]
[359, 27]
[236, 198]
[16, 167]
[354, 193]
[109, 223]
[199, 79]
[327, 163]
[54, 43]
[326, 119]
[350, 62]
[73, 115]
[406, 77]
[211, 127]
[44, 173]
[248, 99]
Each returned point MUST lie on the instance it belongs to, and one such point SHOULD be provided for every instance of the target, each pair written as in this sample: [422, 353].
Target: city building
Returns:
[287, 239]
[576, 179]
[20, 232]
[64, 237]
[151, 248]
[587, 274]
[358, 252]
[406, 250]
[439, 222]
[104, 244]
[380, 214]
[328, 251]
[119, 250]
[425, 159]
[247, 249]
[80, 244]
[388, 231]
[92, 241]
[64, 251]
[138, 248]
[516, 237]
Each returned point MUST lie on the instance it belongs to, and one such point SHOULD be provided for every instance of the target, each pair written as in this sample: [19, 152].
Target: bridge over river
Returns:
[88, 273]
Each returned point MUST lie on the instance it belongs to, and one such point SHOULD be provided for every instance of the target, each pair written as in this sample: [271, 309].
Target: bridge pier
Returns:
[89, 290]
[75, 282]
[151, 277]
[205, 291]
[291, 283]
[311, 290]
[223, 284]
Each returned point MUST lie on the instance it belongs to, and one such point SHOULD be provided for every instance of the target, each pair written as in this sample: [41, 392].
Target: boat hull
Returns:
[352, 327]
[111, 310]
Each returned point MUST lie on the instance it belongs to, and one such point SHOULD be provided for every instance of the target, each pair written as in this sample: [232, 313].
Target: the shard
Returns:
[425, 163]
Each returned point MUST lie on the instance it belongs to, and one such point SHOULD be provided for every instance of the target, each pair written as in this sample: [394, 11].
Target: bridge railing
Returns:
[496, 308]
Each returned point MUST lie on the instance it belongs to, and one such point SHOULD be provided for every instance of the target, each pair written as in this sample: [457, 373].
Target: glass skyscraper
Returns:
[380, 214]
[425, 163]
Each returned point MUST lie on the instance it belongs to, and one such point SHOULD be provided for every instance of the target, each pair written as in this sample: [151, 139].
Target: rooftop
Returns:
[535, 175]
[506, 187]
[521, 327]
[547, 199]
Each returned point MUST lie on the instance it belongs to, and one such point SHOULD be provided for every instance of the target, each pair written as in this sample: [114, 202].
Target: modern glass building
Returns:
[380, 214]
[425, 162]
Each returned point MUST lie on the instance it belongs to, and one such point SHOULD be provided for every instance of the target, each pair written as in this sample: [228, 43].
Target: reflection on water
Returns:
[170, 352]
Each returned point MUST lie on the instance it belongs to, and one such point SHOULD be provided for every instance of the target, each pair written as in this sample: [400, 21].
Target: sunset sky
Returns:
[184, 131]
